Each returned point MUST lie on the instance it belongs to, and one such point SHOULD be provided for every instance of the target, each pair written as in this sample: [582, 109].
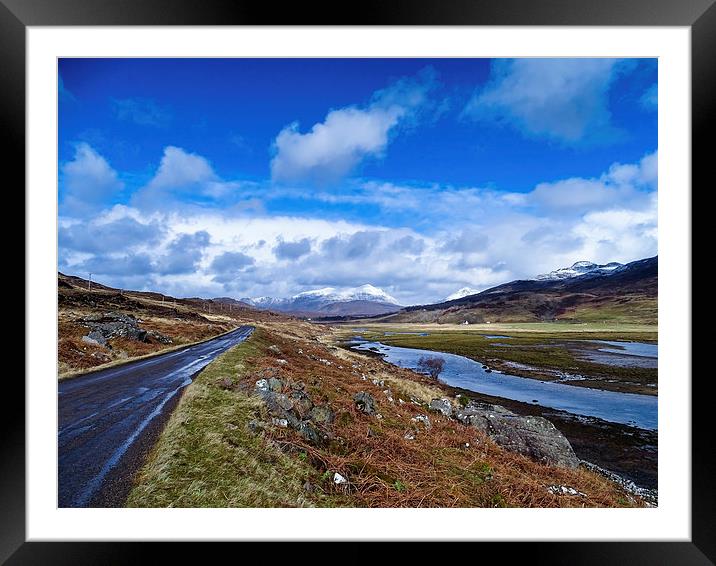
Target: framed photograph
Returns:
[421, 275]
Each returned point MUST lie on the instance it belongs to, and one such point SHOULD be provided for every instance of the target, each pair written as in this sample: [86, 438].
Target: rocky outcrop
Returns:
[117, 325]
[531, 436]
[291, 407]
[441, 406]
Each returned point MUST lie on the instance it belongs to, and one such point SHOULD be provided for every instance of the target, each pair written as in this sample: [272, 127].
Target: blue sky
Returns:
[249, 177]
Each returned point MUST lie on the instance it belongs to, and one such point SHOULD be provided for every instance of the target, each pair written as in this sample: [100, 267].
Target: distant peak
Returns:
[460, 293]
[580, 269]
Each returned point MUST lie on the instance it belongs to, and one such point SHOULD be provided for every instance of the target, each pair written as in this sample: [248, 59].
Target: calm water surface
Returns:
[625, 408]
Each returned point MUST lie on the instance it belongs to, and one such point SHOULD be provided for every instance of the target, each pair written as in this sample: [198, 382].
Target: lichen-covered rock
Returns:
[302, 403]
[364, 402]
[441, 406]
[532, 436]
[321, 414]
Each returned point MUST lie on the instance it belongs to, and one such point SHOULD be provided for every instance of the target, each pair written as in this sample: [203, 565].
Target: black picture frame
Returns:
[699, 15]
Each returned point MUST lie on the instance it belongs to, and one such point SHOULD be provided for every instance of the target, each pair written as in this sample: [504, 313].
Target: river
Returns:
[623, 408]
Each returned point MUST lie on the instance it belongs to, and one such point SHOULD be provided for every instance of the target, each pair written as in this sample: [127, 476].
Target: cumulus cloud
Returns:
[87, 181]
[229, 266]
[183, 254]
[103, 235]
[121, 265]
[184, 177]
[347, 136]
[562, 99]
[292, 250]
[431, 252]
[620, 183]
[179, 168]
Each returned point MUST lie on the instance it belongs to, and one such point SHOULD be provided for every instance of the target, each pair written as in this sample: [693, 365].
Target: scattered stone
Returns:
[275, 349]
[283, 423]
[309, 432]
[424, 419]
[275, 384]
[159, 337]
[364, 402]
[650, 496]
[379, 382]
[282, 362]
[441, 406]
[410, 435]
[401, 401]
[262, 387]
[95, 339]
[338, 479]
[565, 490]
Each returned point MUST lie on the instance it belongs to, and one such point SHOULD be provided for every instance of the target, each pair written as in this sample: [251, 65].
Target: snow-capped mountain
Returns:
[362, 293]
[464, 292]
[579, 269]
[365, 300]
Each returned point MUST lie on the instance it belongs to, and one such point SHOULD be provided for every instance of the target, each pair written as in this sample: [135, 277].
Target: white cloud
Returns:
[347, 136]
[563, 99]
[459, 237]
[621, 183]
[179, 168]
[181, 178]
[87, 182]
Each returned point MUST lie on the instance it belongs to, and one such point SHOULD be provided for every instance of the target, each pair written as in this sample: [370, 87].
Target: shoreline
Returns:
[596, 441]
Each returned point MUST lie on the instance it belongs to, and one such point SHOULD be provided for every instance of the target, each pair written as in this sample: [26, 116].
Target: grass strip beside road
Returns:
[207, 456]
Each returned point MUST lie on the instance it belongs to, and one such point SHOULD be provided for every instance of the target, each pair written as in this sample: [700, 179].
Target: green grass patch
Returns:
[207, 456]
[551, 350]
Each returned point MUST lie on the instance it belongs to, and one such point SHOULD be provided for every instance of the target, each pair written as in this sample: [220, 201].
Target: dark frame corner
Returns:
[699, 15]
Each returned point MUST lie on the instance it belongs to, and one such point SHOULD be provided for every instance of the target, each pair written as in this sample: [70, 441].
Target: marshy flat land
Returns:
[547, 351]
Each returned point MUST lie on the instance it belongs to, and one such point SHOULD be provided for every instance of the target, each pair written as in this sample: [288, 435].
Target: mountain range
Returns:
[365, 300]
[584, 291]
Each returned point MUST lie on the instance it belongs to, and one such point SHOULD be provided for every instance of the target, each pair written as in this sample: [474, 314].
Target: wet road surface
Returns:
[109, 420]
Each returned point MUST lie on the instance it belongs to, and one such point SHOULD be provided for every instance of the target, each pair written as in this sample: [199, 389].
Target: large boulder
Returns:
[532, 436]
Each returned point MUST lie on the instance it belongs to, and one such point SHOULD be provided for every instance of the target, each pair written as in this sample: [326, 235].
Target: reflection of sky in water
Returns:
[624, 354]
[624, 408]
[630, 348]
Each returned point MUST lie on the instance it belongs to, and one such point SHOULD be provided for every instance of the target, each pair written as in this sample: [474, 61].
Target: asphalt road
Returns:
[109, 420]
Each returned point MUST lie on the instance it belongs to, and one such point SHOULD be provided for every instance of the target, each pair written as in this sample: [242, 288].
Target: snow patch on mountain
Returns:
[460, 293]
[326, 295]
[580, 269]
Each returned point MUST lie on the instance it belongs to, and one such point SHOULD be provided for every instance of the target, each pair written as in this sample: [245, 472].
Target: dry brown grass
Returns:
[447, 465]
